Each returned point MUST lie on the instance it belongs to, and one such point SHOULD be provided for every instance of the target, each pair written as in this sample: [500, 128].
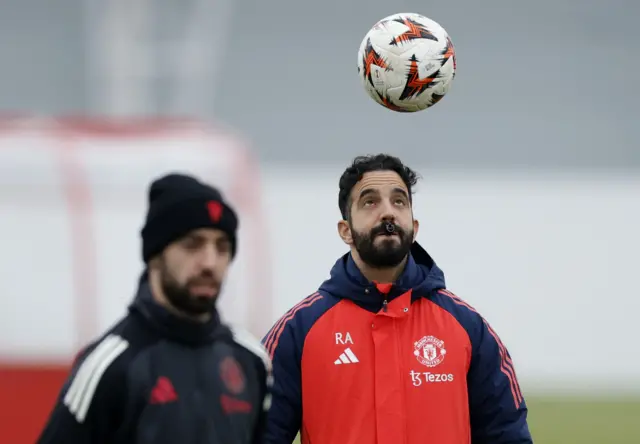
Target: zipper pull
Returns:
[384, 305]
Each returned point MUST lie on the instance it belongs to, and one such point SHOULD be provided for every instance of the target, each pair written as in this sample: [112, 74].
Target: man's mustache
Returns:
[205, 278]
[382, 229]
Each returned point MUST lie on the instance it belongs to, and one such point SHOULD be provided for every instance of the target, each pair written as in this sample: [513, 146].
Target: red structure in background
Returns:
[27, 394]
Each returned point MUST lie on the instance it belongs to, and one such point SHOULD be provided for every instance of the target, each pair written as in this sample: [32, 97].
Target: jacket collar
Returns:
[420, 275]
[170, 325]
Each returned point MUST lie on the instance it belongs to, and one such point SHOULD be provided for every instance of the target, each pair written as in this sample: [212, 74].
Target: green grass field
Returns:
[583, 421]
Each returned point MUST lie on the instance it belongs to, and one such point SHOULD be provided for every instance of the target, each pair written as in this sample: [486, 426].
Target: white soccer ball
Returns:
[407, 62]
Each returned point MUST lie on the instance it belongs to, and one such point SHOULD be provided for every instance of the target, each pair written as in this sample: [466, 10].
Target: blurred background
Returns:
[530, 198]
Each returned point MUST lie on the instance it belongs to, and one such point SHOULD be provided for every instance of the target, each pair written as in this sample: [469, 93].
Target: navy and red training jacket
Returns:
[404, 363]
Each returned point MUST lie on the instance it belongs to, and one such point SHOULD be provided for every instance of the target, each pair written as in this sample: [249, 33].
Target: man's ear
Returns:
[154, 262]
[416, 228]
[344, 231]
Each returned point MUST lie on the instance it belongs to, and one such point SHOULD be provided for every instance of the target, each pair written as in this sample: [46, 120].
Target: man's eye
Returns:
[190, 243]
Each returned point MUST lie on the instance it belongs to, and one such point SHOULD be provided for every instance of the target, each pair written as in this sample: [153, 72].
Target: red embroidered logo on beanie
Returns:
[215, 210]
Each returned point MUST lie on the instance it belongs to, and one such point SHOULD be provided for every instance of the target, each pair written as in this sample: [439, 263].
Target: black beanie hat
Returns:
[178, 204]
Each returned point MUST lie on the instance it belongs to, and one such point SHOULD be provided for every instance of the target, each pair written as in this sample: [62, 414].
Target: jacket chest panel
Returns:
[339, 339]
[184, 394]
[396, 370]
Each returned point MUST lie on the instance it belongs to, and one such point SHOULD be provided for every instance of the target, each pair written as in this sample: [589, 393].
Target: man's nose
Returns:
[388, 213]
[209, 257]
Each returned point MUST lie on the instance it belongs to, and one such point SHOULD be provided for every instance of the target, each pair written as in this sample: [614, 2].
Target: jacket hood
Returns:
[171, 326]
[421, 275]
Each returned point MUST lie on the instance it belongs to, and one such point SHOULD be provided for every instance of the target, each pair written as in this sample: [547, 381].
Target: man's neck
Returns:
[381, 275]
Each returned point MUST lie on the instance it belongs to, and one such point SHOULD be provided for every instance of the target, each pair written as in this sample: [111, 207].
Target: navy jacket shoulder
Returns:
[291, 329]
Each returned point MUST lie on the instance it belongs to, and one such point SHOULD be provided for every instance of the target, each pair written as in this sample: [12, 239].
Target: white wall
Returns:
[549, 259]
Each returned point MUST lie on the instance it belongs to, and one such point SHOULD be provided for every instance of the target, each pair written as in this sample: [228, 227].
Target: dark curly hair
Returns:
[366, 164]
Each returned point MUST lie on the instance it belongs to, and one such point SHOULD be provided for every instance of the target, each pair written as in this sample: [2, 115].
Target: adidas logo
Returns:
[346, 358]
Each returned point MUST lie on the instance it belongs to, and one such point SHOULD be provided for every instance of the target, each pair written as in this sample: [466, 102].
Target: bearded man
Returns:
[382, 352]
[171, 371]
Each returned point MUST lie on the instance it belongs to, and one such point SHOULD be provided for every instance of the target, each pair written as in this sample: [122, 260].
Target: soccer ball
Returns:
[407, 62]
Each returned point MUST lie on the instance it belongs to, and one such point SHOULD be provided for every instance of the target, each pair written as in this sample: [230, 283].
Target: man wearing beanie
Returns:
[170, 371]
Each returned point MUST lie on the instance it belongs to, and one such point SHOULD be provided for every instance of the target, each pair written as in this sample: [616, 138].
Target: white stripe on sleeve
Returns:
[85, 383]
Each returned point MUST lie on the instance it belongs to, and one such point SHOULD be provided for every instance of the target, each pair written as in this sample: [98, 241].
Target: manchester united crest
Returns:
[232, 375]
[429, 351]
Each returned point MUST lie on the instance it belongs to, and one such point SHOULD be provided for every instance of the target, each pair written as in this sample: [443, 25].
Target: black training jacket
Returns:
[155, 378]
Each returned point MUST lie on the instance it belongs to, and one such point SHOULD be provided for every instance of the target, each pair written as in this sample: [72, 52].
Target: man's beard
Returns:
[181, 298]
[389, 252]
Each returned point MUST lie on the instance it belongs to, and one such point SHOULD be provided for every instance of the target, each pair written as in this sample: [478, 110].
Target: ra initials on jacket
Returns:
[403, 368]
